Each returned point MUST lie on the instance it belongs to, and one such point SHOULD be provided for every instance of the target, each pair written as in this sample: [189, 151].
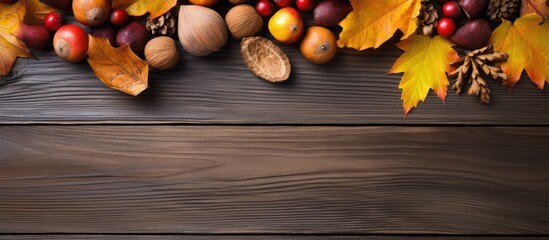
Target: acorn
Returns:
[135, 35]
[329, 13]
[473, 8]
[474, 34]
[34, 36]
[64, 5]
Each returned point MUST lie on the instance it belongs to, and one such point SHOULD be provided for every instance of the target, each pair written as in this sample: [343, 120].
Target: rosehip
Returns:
[283, 3]
[119, 17]
[446, 27]
[304, 5]
[264, 8]
[451, 9]
[53, 21]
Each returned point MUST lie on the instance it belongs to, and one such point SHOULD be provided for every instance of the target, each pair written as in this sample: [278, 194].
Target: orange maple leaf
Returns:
[371, 23]
[526, 42]
[139, 7]
[424, 64]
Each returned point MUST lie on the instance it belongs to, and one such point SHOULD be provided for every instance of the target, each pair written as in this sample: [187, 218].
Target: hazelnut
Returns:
[243, 21]
[161, 53]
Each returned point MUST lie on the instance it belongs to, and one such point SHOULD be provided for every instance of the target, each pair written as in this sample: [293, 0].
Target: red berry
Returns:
[451, 9]
[446, 27]
[264, 8]
[53, 21]
[305, 5]
[119, 17]
[283, 3]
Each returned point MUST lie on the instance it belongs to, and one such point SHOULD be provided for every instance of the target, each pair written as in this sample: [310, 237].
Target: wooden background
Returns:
[212, 151]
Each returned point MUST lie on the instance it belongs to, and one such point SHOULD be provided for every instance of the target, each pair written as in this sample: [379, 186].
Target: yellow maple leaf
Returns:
[527, 44]
[371, 23]
[118, 68]
[424, 64]
[139, 7]
[10, 46]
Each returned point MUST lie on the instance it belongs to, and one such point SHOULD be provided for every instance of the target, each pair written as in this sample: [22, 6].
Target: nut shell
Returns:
[265, 59]
[201, 30]
[161, 53]
[243, 21]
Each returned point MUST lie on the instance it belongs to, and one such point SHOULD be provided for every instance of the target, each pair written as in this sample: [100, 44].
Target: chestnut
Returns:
[473, 8]
[473, 35]
[135, 35]
[106, 31]
[329, 13]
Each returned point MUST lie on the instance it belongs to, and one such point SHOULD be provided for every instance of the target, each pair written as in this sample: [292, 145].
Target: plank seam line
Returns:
[285, 234]
[265, 124]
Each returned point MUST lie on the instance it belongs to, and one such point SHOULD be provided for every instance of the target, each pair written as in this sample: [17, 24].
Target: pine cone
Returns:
[427, 19]
[163, 25]
[498, 9]
[477, 66]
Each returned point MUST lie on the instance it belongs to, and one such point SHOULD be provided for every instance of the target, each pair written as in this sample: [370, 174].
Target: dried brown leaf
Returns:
[119, 68]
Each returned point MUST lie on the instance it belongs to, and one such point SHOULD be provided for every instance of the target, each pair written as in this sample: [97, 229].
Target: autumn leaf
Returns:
[10, 46]
[423, 63]
[371, 23]
[139, 7]
[119, 68]
[36, 12]
[122, 4]
[527, 43]
[535, 6]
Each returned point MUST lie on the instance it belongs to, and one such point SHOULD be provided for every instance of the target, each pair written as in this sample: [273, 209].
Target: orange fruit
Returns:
[319, 45]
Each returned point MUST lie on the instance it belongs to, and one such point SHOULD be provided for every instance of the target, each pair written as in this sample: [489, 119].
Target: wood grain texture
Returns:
[205, 179]
[254, 237]
[353, 89]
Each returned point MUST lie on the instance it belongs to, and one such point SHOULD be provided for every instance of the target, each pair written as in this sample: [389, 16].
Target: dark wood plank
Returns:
[254, 237]
[353, 89]
[354, 180]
